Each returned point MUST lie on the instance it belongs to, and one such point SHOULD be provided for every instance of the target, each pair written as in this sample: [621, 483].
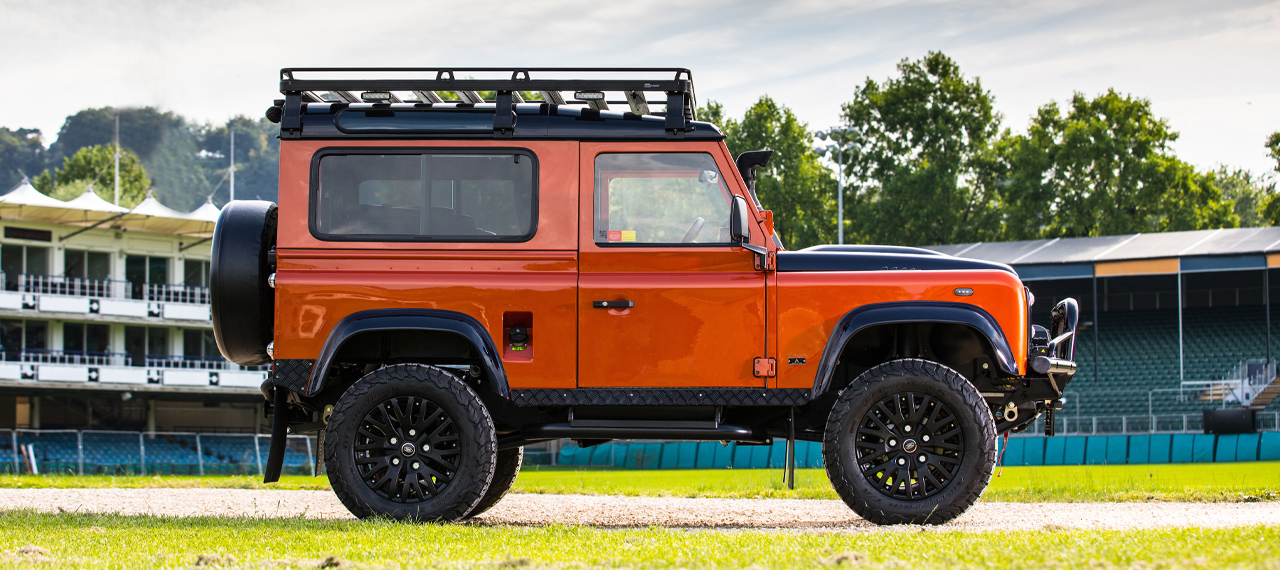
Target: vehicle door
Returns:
[665, 298]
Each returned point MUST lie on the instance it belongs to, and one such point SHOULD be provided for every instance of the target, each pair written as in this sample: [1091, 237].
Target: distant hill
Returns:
[186, 161]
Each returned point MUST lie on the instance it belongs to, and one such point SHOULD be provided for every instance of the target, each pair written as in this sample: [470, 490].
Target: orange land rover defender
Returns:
[551, 253]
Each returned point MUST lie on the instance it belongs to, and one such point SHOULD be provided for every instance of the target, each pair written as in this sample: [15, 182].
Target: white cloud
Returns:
[1207, 67]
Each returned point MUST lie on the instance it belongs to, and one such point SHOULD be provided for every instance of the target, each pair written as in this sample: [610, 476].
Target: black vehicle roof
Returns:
[405, 103]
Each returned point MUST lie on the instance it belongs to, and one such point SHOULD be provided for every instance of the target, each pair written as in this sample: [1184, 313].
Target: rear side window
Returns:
[460, 196]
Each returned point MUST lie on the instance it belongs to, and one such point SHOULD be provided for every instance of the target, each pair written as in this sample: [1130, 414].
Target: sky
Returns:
[1209, 68]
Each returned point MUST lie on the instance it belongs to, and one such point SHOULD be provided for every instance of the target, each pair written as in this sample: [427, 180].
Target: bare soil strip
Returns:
[622, 512]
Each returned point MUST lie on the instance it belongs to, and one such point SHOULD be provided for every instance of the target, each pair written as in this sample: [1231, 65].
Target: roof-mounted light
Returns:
[376, 96]
[589, 95]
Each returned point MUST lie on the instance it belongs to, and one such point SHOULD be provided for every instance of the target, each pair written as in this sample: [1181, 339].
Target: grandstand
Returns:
[1172, 324]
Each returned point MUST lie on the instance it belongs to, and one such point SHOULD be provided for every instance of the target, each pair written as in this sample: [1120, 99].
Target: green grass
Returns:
[1216, 482]
[103, 541]
[1245, 481]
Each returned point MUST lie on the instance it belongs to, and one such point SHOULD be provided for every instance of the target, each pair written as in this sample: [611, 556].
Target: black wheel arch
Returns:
[869, 317]
[458, 327]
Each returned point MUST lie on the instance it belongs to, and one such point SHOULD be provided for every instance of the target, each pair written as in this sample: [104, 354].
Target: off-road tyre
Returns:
[504, 476]
[469, 445]
[928, 386]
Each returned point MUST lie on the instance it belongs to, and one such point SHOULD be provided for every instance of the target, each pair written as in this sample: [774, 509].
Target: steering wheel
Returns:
[694, 230]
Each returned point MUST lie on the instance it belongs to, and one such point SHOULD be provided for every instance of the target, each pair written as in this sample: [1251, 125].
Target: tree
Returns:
[1273, 148]
[96, 165]
[926, 168]
[1103, 168]
[257, 158]
[21, 154]
[794, 185]
[1248, 194]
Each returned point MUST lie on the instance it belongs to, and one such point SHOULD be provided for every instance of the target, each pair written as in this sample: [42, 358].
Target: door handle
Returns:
[612, 304]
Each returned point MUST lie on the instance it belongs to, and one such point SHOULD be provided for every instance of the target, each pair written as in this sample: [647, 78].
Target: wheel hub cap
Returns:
[407, 427]
[908, 468]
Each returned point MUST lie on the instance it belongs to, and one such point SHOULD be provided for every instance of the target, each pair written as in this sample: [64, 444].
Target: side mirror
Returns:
[709, 177]
[739, 224]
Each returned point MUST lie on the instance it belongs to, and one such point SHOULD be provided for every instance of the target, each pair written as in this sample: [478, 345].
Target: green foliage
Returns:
[926, 168]
[794, 185]
[1273, 148]
[1249, 195]
[21, 154]
[96, 165]
[1104, 167]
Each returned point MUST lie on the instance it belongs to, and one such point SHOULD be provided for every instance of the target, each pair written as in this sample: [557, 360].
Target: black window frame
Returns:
[313, 195]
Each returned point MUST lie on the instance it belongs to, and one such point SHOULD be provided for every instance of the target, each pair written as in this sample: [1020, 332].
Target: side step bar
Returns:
[721, 433]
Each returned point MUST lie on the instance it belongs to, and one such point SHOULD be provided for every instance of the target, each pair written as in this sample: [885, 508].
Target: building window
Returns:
[86, 337]
[141, 270]
[195, 273]
[146, 342]
[87, 264]
[198, 344]
[16, 260]
[17, 336]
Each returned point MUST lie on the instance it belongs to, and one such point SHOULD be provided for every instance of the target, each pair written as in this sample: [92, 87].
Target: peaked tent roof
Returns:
[27, 203]
[152, 216]
[90, 200]
[206, 212]
[24, 202]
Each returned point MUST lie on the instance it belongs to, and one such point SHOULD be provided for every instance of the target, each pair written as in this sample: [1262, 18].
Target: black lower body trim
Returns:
[292, 373]
[720, 433]
[662, 397]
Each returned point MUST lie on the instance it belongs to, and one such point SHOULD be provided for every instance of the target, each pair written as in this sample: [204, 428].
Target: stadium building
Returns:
[1172, 323]
[109, 363]
[105, 330]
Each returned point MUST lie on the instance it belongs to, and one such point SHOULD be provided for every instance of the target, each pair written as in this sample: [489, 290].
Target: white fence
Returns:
[45, 451]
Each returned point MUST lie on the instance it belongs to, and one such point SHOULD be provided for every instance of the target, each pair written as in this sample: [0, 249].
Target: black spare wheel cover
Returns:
[242, 303]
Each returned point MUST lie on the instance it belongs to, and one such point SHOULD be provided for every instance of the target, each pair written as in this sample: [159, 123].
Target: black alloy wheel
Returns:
[909, 446]
[407, 449]
[910, 442]
[410, 442]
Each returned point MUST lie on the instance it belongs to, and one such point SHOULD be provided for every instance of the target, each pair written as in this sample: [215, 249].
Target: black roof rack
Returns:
[419, 84]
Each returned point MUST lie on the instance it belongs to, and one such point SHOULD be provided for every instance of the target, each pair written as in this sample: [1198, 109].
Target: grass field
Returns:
[82, 541]
[1246, 481]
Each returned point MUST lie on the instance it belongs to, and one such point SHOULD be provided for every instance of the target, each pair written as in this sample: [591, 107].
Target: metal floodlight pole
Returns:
[840, 194]
[232, 172]
[117, 158]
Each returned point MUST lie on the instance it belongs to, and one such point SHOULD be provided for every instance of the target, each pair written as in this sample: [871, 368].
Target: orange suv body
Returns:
[593, 274]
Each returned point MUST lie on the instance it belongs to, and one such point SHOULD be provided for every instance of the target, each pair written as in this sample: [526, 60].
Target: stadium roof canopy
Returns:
[1131, 254]
[24, 202]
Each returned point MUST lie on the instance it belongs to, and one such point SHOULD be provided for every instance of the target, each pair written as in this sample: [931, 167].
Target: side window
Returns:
[446, 196]
[660, 198]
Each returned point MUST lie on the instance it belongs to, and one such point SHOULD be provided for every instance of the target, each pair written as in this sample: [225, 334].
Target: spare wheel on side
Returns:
[241, 301]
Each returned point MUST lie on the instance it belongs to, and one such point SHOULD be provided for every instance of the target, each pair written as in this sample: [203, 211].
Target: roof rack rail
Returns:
[350, 84]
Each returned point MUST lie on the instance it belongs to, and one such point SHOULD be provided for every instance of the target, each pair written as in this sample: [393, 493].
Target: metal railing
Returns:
[108, 289]
[37, 451]
[1137, 425]
[198, 363]
[164, 292]
[73, 286]
[73, 357]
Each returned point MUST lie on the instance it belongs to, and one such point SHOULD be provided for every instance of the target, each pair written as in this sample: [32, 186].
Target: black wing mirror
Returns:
[739, 228]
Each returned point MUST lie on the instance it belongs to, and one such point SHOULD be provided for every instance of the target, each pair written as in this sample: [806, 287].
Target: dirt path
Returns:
[610, 511]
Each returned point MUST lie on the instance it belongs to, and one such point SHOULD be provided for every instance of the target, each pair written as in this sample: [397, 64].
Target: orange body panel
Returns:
[702, 314]
[811, 304]
[319, 282]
